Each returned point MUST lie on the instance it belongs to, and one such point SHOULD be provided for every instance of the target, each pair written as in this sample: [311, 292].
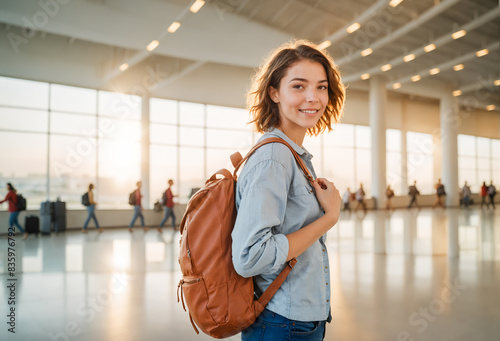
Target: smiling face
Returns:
[302, 97]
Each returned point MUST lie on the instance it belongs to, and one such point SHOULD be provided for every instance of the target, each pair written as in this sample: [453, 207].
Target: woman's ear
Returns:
[273, 93]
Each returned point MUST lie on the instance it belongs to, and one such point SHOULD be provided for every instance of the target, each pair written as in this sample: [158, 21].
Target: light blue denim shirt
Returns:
[274, 199]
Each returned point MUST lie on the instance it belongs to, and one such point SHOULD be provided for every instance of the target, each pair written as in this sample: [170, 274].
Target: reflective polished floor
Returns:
[391, 274]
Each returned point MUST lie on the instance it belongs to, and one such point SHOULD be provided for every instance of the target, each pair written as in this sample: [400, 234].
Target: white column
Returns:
[449, 167]
[378, 100]
[404, 151]
[438, 157]
[449, 148]
[48, 146]
[145, 152]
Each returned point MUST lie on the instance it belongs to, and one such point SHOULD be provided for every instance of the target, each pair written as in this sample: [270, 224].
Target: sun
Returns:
[121, 161]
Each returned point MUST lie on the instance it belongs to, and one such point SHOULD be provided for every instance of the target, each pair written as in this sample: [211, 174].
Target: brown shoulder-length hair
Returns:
[264, 111]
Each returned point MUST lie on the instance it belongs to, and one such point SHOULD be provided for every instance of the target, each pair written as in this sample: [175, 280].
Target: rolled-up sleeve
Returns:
[258, 247]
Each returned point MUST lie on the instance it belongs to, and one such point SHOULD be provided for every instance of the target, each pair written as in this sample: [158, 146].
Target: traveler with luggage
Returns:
[135, 199]
[389, 194]
[413, 192]
[360, 198]
[281, 215]
[466, 192]
[492, 191]
[11, 197]
[440, 192]
[88, 201]
[346, 199]
[484, 193]
[168, 202]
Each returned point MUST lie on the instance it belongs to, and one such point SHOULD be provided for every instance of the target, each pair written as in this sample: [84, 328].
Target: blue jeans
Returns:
[492, 201]
[169, 212]
[270, 326]
[91, 211]
[466, 201]
[137, 213]
[13, 220]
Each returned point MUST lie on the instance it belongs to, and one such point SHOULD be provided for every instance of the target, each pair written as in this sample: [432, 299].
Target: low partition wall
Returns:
[121, 218]
[106, 218]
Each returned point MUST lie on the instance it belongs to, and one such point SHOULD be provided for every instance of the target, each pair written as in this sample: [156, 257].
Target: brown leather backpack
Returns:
[220, 301]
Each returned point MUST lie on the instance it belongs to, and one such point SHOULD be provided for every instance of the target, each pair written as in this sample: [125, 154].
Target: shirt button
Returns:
[328, 300]
[323, 250]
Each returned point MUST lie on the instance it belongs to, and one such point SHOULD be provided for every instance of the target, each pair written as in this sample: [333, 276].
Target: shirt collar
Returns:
[300, 150]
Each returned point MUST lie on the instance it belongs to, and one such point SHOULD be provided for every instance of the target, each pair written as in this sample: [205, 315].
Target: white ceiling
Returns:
[212, 55]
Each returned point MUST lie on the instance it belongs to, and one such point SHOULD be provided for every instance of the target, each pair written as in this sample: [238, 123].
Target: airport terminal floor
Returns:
[391, 280]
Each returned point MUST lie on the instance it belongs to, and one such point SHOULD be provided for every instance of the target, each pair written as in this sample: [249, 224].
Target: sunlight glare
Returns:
[121, 254]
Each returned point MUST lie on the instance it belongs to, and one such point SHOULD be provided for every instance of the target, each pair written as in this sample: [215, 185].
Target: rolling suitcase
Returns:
[59, 216]
[32, 224]
[45, 217]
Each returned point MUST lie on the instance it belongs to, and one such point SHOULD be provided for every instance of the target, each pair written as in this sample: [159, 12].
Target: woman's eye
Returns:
[322, 87]
[298, 86]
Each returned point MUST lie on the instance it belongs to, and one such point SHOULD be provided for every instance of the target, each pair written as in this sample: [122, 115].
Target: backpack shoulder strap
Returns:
[301, 164]
[274, 286]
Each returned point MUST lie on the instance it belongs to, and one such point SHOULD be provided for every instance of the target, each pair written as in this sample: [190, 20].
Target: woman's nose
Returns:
[312, 96]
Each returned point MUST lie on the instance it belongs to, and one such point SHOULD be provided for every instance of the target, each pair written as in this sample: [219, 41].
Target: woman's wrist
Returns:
[331, 218]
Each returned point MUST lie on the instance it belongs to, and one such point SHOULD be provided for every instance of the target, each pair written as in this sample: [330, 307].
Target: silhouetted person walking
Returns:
[413, 192]
[346, 199]
[440, 192]
[168, 201]
[91, 211]
[11, 197]
[360, 197]
[389, 193]
[137, 208]
[492, 191]
[484, 193]
[466, 194]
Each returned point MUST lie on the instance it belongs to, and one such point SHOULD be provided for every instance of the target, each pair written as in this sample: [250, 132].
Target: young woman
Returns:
[91, 211]
[11, 197]
[298, 91]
